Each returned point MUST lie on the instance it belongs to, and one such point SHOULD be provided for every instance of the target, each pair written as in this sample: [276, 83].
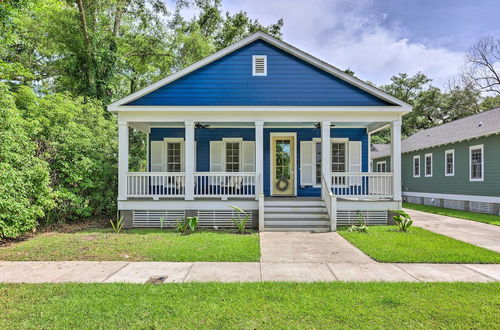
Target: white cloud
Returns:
[347, 34]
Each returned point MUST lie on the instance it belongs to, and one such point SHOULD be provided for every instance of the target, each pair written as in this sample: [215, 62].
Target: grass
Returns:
[250, 305]
[385, 244]
[135, 245]
[491, 219]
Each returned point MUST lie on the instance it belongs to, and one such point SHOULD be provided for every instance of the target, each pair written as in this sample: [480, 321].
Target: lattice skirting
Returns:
[432, 201]
[207, 219]
[454, 204]
[481, 207]
[346, 218]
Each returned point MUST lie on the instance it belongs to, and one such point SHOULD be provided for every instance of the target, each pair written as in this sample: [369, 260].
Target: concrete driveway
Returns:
[473, 232]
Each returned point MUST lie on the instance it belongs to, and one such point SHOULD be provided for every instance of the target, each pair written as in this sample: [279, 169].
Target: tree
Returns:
[481, 71]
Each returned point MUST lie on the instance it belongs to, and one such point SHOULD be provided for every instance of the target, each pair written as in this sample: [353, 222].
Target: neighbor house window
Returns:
[381, 167]
[317, 159]
[174, 157]
[428, 165]
[449, 162]
[232, 156]
[476, 163]
[416, 166]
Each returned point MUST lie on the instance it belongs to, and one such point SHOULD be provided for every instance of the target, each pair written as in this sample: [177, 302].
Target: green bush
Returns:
[402, 220]
[58, 159]
[25, 195]
[187, 225]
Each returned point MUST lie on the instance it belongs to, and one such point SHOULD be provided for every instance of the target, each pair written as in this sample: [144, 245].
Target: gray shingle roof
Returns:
[484, 123]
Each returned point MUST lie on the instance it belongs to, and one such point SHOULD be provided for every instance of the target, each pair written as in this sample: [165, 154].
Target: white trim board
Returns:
[472, 198]
[405, 107]
[181, 204]
[271, 162]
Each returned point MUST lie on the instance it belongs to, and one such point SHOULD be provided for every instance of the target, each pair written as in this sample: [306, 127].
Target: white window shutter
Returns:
[216, 156]
[157, 156]
[306, 165]
[355, 160]
[248, 156]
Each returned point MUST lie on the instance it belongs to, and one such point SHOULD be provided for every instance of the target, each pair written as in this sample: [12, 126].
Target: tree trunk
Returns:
[89, 68]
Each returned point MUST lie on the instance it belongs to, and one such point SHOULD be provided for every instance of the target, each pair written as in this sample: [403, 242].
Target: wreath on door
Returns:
[282, 184]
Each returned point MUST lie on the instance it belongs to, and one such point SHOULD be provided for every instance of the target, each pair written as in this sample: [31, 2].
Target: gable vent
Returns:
[259, 65]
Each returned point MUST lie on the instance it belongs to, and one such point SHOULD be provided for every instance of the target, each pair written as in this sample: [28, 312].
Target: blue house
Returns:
[263, 126]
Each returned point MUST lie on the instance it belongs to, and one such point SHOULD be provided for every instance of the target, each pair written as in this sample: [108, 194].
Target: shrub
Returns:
[187, 225]
[402, 220]
[117, 224]
[240, 222]
[361, 226]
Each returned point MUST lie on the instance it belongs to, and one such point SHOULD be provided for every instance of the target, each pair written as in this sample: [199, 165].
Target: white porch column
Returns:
[259, 158]
[189, 161]
[325, 150]
[396, 158]
[122, 159]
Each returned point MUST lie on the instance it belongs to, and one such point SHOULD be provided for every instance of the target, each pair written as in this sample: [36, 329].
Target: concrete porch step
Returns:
[296, 222]
[289, 209]
[296, 216]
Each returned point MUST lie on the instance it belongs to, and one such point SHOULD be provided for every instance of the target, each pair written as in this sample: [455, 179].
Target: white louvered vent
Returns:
[347, 218]
[220, 218]
[259, 65]
[454, 204]
[431, 201]
[481, 207]
[151, 219]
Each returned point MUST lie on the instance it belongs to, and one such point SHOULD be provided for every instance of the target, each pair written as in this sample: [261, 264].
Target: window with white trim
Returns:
[449, 162]
[428, 165]
[416, 166]
[381, 166]
[174, 157]
[476, 163]
[339, 156]
[259, 65]
[232, 156]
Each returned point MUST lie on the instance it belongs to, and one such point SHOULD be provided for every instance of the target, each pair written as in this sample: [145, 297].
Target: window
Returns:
[174, 157]
[259, 65]
[317, 158]
[449, 162]
[381, 166]
[338, 157]
[476, 163]
[232, 156]
[428, 165]
[416, 166]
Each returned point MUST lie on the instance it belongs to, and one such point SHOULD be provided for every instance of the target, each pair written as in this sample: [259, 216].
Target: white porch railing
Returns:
[330, 202]
[362, 184]
[224, 184]
[155, 184]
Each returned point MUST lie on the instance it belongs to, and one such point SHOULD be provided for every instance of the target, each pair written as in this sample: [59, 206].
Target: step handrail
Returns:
[330, 202]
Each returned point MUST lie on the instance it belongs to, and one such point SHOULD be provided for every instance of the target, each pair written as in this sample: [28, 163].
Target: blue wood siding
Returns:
[289, 81]
[204, 136]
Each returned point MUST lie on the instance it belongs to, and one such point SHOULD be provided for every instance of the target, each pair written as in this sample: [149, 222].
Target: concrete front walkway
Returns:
[181, 272]
[473, 232]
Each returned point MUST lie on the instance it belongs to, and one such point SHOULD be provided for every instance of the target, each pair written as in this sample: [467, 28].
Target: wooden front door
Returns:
[283, 165]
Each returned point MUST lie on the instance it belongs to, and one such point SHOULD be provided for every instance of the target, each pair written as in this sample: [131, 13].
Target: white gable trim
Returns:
[115, 106]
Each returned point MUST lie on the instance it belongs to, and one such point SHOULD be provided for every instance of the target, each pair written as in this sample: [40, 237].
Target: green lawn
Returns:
[136, 245]
[481, 217]
[385, 244]
[250, 305]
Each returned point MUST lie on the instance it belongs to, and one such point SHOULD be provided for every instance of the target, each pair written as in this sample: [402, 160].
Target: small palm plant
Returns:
[240, 222]
[117, 224]
[402, 220]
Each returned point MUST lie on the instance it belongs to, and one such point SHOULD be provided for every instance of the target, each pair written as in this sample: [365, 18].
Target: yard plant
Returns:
[241, 220]
[187, 225]
[402, 219]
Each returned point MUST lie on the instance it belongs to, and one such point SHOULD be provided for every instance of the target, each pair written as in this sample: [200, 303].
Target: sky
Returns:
[381, 38]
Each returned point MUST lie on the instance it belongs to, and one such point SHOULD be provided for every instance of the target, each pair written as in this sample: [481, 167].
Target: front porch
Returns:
[210, 165]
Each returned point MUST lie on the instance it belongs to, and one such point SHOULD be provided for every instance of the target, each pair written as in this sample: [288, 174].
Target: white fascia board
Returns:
[472, 198]
[210, 108]
[278, 43]
[181, 204]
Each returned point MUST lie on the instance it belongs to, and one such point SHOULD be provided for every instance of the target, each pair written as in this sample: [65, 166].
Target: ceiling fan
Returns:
[200, 125]
[318, 125]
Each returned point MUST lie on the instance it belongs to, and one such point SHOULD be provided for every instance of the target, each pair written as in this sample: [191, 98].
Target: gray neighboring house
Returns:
[455, 165]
